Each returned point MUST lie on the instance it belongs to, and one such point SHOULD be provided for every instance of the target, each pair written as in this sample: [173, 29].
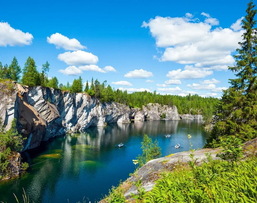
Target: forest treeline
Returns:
[29, 75]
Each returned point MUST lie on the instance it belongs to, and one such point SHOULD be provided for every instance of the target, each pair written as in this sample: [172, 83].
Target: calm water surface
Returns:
[85, 166]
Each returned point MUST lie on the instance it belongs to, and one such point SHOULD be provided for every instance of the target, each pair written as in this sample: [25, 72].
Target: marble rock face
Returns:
[43, 113]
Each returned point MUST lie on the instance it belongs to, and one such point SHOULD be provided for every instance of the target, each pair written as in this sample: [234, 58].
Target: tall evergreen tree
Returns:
[14, 70]
[77, 85]
[53, 83]
[86, 87]
[4, 72]
[43, 75]
[30, 74]
[237, 112]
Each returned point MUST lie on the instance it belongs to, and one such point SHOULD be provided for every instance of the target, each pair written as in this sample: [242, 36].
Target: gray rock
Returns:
[43, 113]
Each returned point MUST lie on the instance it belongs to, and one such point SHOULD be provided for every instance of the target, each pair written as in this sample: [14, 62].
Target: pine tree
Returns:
[14, 70]
[86, 87]
[77, 85]
[30, 74]
[53, 83]
[43, 76]
[237, 112]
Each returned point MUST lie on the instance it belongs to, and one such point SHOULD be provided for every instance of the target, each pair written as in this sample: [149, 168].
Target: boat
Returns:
[168, 136]
[120, 145]
[177, 146]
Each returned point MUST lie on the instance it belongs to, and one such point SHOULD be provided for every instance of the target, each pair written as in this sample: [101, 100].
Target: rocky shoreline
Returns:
[43, 113]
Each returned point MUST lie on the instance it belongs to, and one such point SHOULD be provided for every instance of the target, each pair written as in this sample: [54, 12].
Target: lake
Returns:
[85, 166]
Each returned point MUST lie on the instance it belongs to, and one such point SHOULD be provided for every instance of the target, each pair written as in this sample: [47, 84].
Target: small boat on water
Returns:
[120, 145]
[177, 146]
[168, 136]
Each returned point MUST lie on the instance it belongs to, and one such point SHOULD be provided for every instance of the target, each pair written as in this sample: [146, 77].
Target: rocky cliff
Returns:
[43, 113]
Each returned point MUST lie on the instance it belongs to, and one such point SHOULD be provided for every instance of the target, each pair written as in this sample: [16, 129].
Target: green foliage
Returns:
[53, 83]
[237, 111]
[216, 181]
[232, 149]
[14, 70]
[115, 196]
[76, 85]
[150, 150]
[31, 76]
[140, 191]
[10, 143]
[11, 72]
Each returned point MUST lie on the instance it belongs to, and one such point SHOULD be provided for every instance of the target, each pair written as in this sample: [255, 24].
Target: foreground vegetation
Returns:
[216, 181]
[10, 143]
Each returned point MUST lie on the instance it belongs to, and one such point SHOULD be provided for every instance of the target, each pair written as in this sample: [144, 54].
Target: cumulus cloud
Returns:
[71, 70]
[237, 25]
[211, 81]
[203, 86]
[109, 69]
[13, 37]
[209, 19]
[78, 58]
[189, 72]
[123, 83]
[169, 82]
[61, 41]
[96, 68]
[138, 73]
[161, 85]
[91, 68]
[189, 41]
[172, 82]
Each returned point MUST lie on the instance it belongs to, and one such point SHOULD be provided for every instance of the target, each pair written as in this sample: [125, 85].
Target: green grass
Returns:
[216, 181]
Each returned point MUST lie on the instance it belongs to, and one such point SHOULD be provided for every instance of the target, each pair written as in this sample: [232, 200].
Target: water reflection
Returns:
[88, 164]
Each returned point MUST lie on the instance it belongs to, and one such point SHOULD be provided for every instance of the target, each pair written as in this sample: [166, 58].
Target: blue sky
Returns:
[173, 47]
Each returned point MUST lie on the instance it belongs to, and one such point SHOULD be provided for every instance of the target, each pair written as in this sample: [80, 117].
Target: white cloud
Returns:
[209, 19]
[78, 58]
[237, 25]
[161, 85]
[190, 72]
[189, 41]
[172, 82]
[109, 69]
[211, 81]
[205, 14]
[203, 86]
[124, 83]
[71, 70]
[176, 31]
[134, 89]
[149, 81]
[61, 41]
[212, 21]
[138, 73]
[91, 68]
[13, 37]
[189, 15]
[96, 68]
[169, 82]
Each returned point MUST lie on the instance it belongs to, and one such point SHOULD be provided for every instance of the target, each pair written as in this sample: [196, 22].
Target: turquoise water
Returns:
[85, 166]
